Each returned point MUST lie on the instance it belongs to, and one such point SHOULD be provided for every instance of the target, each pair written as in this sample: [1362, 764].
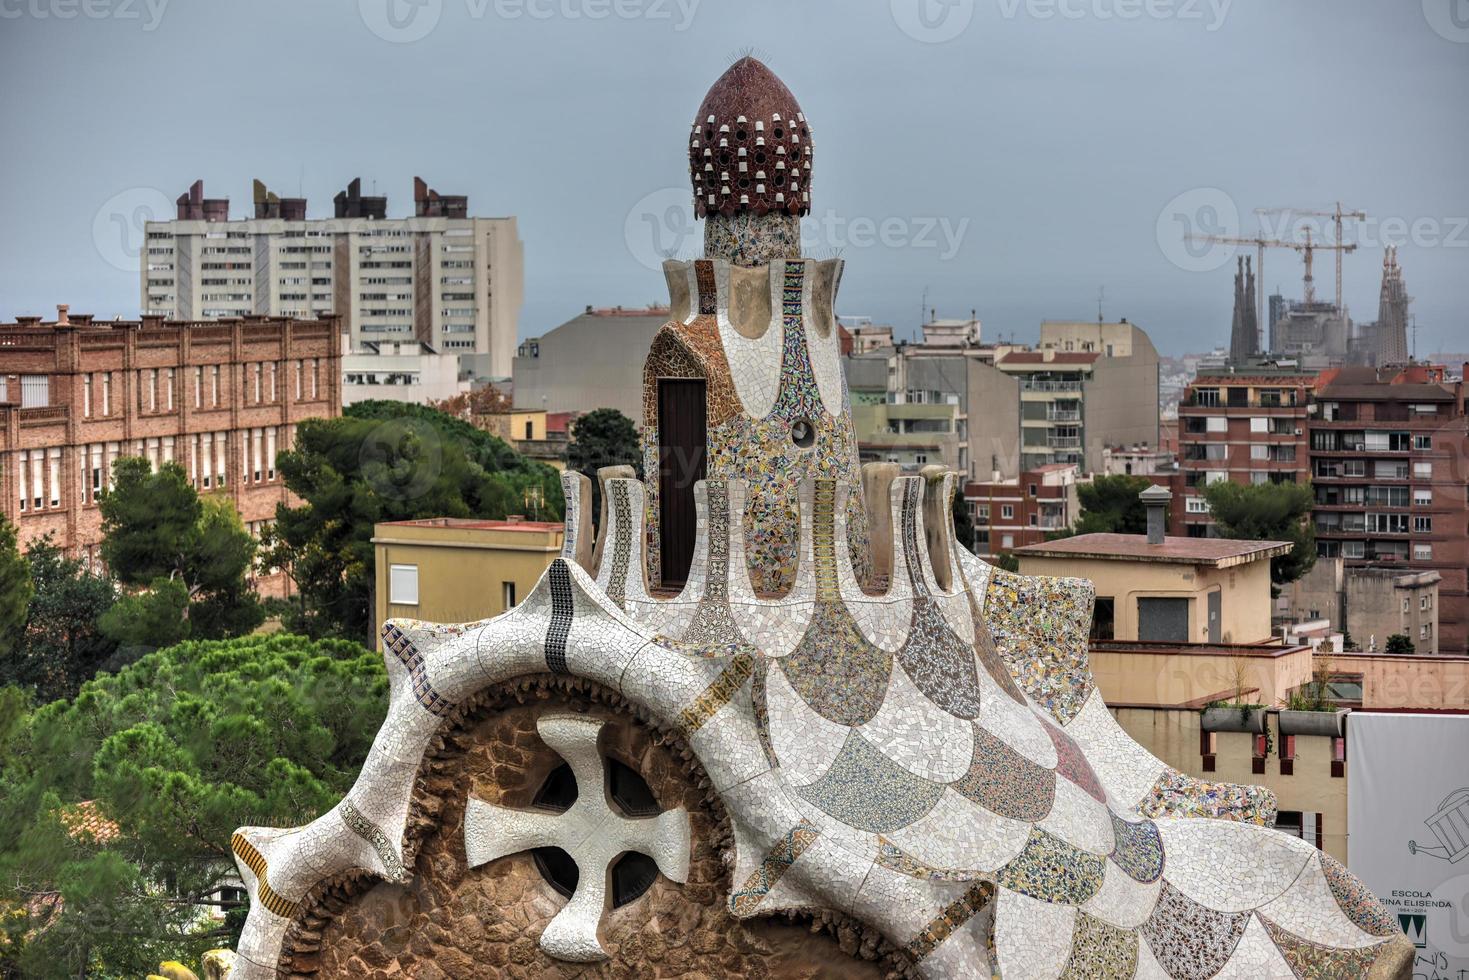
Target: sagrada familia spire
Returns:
[1244, 335]
[1392, 312]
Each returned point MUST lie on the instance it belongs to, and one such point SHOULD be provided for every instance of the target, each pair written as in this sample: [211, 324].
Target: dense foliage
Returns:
[178, 749]
[603, 437]
[62, 644]
[16, 589]
[188, 559]
[1111, 504]
[1268, 512]
[1400, 643]
[386, 461]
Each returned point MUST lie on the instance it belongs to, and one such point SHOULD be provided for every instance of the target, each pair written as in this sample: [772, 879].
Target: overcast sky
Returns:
[1010, 156]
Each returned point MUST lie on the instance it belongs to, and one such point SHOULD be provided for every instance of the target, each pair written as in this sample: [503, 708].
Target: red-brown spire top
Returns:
[750, 147]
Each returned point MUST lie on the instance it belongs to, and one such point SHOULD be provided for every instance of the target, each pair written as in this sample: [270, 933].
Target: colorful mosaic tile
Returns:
[1040, 626]
[1139, 849]
[1005, 782]
[1311, 961]
[842, 675]
[251, 858]
[1052, 870]
[397, 642]
[1357, 903]
[717, 694]
[621, 542]
[373, 834]
[1071, 763]
[1176, 794]
[745, 900]
[938, 661]
[1190, 941]
[894, 858]
[867, 790]
[1100, 950]
[958, 912]
[562, 605]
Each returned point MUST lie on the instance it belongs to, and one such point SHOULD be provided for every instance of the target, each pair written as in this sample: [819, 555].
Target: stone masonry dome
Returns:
[750, 147]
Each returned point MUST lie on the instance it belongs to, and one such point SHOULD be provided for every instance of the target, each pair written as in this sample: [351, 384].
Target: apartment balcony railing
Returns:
[1063, 416]
[1063, 442]
[1050, 385]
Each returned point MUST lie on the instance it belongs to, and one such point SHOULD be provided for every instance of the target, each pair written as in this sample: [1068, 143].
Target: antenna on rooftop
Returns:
[1101, 295]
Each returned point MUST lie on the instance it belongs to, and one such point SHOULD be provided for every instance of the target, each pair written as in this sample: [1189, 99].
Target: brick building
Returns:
[1010, 514]
[1247, 426]
[221, 398]
[1388, 454]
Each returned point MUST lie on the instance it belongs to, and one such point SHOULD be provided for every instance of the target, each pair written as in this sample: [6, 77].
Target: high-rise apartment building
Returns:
[1243, 423]
[221, 399]
[1088, 387]
[1388, 451]
[442, 278]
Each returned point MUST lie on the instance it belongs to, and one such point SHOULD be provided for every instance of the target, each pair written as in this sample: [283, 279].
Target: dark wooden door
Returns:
[682, 433]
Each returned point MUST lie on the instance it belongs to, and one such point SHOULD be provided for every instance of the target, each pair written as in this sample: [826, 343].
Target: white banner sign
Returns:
[1408, 829]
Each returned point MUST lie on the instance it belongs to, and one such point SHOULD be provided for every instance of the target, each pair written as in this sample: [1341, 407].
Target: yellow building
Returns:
[514, 425]
[1177, 590]
[455, 570]
[528, 434]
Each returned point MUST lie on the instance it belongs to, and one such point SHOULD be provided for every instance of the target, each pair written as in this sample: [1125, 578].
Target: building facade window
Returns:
[403, 585]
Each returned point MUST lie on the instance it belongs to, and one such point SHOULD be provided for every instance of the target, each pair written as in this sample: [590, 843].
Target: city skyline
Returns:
[970, 171]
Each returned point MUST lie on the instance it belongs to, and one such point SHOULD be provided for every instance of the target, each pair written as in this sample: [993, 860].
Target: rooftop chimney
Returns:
[1156, 499]
[61, 317]
[351, 204]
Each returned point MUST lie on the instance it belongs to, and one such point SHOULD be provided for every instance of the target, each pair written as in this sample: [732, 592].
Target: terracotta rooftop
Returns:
[476, 524]
[84, 821]
[1218, 552]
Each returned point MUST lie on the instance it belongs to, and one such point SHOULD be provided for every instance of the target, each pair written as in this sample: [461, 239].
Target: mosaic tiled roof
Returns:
[899, 734]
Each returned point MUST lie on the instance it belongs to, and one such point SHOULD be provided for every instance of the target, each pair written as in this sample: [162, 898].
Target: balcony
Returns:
[1028, 385]
[1063, 442]
[1062, 415]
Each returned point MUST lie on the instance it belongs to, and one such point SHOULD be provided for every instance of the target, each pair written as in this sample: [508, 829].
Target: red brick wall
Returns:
[139, 406]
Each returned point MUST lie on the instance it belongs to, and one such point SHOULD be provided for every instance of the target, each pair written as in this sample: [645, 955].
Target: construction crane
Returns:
[1336, 215]
[1307, 248]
